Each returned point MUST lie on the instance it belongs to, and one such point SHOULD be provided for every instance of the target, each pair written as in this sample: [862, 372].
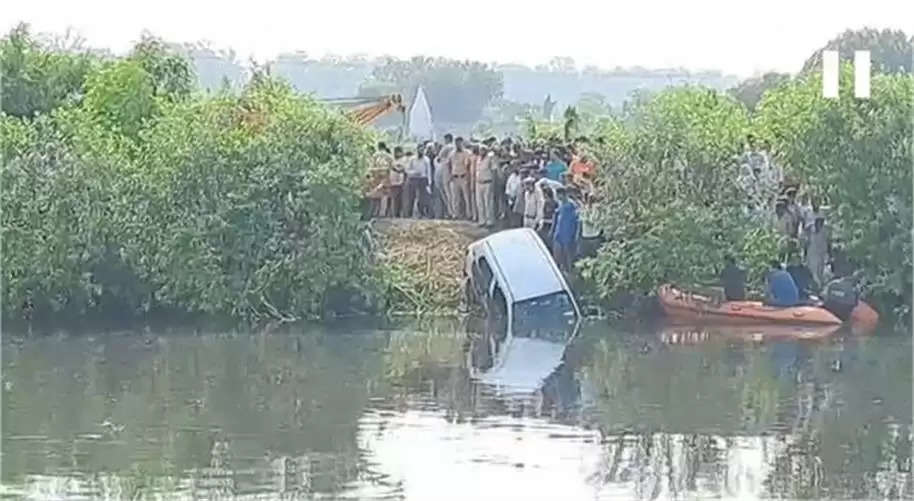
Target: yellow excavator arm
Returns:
[368, 109]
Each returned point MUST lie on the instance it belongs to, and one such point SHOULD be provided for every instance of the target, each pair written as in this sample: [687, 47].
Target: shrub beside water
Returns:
[670, 204]
[132, 199]
[672, 208]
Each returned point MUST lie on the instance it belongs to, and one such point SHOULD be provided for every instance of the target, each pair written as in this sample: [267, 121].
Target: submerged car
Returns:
[529, 306]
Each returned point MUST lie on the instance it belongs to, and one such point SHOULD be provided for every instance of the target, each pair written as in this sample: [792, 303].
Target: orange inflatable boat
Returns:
[694, 308]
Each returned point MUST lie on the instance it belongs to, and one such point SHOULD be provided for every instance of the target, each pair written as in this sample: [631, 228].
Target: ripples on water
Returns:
[362, 412]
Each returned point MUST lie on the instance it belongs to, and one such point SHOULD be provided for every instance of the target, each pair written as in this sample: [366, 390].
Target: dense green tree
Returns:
[750, 91]
[136, 197]
[172, 74]
[891, 51]
[36, 78]
[670, 204]
[122, 95]
[857, 155]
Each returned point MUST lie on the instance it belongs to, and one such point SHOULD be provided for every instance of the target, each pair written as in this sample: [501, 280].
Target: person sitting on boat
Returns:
[840, 296]
[733, 279]
[802, 277]
[781, 290]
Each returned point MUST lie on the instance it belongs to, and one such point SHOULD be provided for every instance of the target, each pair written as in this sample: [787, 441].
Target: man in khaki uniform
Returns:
[382, 163]
[460, 189]
[485, 176]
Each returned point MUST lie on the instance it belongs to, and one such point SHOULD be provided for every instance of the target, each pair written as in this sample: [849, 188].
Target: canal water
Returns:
[378, 411]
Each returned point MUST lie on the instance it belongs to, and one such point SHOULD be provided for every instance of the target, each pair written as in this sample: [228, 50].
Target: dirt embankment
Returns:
[423, 260]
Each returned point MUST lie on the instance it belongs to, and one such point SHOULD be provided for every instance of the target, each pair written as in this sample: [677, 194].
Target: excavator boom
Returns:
[371, 108]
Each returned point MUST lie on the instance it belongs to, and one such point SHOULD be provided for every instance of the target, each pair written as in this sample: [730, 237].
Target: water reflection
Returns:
[367, 412]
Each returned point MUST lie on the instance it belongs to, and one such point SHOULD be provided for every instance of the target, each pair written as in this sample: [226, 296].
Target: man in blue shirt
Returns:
[782, 290]
[556, 167]
[564, 231]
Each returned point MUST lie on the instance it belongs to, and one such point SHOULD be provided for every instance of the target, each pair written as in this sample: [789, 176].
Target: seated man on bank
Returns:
[781, 290]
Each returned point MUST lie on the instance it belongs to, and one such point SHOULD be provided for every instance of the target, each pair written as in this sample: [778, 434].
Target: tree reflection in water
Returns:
[365, 411]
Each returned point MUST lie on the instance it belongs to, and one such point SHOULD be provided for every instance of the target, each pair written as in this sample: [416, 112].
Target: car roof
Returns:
[524, 262]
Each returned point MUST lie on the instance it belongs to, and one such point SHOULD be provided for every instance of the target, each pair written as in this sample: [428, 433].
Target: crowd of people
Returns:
[549, 188]
[496, 184]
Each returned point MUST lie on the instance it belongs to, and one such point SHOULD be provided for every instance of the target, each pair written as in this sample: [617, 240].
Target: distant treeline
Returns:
[333, 76]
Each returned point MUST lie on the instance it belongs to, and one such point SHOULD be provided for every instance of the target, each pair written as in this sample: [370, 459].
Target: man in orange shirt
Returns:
[582, 172]
[582, 166]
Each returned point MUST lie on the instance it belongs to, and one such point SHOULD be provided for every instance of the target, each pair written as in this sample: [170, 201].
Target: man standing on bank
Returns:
[485, 175]
[564, 231]
[461, 161]
[417, 176]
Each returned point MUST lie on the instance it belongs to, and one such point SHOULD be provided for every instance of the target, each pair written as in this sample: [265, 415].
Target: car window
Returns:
[551, 316]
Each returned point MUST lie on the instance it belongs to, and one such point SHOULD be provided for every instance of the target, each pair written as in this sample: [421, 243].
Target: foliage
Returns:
[172, 75]
[259, 196]
[457, 91]
[38, 78]
[750, 91]
[891, 51]
[121, 95]
[669, 202]
[857, 154]
[138, 198]
[61, 177]
[540, 131]
[671, 208]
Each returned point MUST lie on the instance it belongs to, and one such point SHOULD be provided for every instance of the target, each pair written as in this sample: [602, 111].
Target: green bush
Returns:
[244, 205]
[670, 204]
[37, 78]
[255, 204]
[856, 154]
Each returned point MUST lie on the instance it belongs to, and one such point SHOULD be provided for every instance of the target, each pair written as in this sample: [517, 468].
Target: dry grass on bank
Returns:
[424, 259]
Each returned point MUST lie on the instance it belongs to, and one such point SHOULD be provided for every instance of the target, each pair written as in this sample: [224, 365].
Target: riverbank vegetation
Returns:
[125, 190]
[671, 205]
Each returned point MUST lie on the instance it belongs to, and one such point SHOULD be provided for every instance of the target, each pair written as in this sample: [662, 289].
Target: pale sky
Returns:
[735, 37]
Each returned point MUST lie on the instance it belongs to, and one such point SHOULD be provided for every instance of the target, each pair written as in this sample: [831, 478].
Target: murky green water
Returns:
[362, 412]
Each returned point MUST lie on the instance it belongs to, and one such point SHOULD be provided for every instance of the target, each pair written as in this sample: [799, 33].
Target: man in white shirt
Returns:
[512, 189]
[418, 171]
[539, 197]
[530, 203]
[485, 176]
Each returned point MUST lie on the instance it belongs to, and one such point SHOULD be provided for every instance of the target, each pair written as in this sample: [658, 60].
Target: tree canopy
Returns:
[891, 51]
[750, 91]
[37, 76]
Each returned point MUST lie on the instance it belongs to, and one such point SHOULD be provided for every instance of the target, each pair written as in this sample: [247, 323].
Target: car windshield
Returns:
[551, 316]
